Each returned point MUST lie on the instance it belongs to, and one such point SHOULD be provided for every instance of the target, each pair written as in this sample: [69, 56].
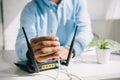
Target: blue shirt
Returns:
[40, 16]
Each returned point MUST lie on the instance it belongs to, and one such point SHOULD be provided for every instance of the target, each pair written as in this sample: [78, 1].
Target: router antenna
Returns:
[71, 47]
[30, 53]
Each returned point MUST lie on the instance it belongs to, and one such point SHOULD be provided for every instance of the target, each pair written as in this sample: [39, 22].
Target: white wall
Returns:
[109, 29]
[97, 9]
[114, 29]
[12, 11]
[104, 28]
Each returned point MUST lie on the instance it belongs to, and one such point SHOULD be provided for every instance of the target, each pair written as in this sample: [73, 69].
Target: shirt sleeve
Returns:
[84, 33]
[28, 22]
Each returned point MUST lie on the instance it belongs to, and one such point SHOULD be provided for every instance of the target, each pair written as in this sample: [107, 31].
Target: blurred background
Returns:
[105, 16]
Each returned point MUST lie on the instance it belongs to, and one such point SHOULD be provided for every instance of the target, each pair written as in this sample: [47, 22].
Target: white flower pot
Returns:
[103, 55]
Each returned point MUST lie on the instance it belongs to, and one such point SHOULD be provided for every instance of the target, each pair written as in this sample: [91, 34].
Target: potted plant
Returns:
[103, 49]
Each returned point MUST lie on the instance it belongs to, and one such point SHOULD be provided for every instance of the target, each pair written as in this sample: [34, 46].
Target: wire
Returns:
[58, 72]
[62, 68]
[69, 75]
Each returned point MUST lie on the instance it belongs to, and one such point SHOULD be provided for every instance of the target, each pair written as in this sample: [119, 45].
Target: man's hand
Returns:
[62, 52]
[45, 47]
[48, 47]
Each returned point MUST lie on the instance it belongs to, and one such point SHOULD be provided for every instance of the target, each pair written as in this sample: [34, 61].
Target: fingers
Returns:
[45, 51]
[46, 54]
[48, 43]
[44, 38]
[43, 44]
[62, 52]
[43, 58]
[52, 53]
[45, 47]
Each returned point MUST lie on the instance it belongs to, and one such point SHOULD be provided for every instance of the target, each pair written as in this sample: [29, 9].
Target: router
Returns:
[32, 66]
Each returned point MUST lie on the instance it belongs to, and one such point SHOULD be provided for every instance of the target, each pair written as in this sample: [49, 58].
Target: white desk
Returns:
[84, 67]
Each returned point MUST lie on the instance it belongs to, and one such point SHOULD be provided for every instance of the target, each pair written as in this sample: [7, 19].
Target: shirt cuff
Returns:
[73, 51]
[78, 49]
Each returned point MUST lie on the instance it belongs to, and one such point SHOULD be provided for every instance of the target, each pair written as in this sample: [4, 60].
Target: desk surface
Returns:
[84, 67]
